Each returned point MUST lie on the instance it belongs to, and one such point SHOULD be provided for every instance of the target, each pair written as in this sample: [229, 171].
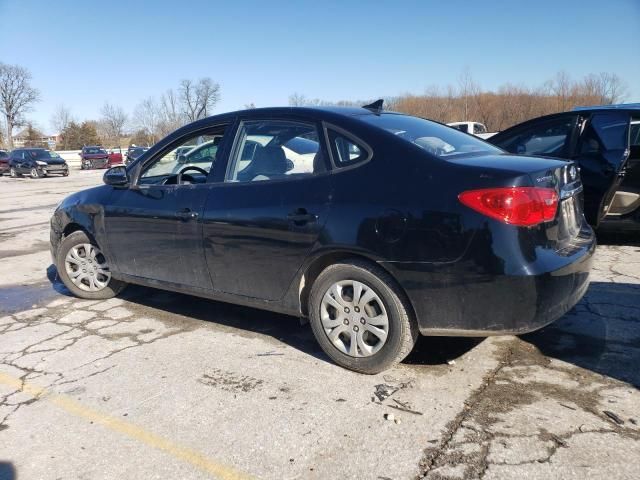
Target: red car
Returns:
[4, 162]
[94, 157]
[115, 157]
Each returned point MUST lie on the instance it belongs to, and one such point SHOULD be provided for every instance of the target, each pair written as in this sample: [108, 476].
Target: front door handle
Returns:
[186, 214]
[300, 216]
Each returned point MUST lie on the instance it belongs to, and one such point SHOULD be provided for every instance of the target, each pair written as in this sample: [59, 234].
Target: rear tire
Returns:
[13, 173]
[355, 301]
[81, 266]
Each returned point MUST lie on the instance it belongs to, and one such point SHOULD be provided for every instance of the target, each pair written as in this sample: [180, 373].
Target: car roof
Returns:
[617, 107]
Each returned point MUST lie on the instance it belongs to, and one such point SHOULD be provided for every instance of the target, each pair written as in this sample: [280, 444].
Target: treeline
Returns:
[508, 105]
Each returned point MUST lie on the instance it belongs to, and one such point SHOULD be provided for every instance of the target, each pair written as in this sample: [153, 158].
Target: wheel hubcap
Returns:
[87, 268]
[34, 173]
[354, 318]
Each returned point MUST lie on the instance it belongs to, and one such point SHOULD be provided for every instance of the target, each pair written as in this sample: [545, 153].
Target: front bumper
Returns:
[457, 300]
[53, 169]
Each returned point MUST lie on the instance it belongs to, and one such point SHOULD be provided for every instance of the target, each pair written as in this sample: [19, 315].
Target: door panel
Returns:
[602, 153]
[155, 232]
[257, 234]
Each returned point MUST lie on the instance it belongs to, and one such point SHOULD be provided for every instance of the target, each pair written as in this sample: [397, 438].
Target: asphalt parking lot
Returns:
[161, 385]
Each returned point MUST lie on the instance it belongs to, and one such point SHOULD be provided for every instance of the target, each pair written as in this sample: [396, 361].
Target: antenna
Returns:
[375, 107]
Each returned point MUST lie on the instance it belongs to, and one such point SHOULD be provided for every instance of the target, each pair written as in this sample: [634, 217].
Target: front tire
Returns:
[83, 269]
[35, 173]
[360, 318]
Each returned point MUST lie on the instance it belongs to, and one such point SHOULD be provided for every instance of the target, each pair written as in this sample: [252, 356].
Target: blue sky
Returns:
[83, 53]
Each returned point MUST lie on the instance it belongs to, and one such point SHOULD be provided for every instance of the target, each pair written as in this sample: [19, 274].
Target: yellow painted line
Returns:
[132, 431]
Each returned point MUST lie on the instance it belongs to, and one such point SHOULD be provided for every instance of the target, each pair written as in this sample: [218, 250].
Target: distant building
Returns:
[20, 139]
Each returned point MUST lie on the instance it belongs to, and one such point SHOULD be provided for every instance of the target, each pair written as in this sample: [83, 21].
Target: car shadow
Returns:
[284, 328]
[618, 238]
[601, 333]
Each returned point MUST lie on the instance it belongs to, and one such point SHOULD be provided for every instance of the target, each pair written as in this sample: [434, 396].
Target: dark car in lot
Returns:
[4, 162]
[605, 143]
[36, 162]
[134, 152]
[397, 226]
[94, 157]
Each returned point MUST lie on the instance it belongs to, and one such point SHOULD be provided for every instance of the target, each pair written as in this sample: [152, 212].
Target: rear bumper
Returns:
[458, 300]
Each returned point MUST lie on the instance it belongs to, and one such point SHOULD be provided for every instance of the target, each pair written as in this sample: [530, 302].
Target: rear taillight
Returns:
[521, 206]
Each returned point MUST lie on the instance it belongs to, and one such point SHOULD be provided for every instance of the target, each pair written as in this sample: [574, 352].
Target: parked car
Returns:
[399, 226]
[605, 142]
[36, 162]
[474, 128]
[4, 162]
[115, 157]
[93, 157]
[134, 152]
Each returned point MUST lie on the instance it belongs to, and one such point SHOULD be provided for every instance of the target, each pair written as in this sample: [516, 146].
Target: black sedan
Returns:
[605, 143]
[36, 162]
[389, 227]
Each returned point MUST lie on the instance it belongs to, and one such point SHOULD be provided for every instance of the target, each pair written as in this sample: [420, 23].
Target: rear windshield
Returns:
[438, 140]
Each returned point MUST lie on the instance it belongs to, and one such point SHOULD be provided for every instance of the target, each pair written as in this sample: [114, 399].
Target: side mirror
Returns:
[182, 158]
[116, 176]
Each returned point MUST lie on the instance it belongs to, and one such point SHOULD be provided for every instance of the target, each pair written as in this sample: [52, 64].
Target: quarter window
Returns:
[346, 151]
[276, 150]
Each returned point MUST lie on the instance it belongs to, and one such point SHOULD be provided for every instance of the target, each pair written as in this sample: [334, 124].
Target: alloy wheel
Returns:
[87, 268]
[34, 173]
[354, 318]
[12, 173]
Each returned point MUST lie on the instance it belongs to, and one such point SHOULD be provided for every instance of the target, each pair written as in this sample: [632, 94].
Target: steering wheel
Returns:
[187, 168]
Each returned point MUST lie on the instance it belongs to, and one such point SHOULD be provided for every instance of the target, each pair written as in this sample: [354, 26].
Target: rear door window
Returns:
[276, 150]
[546, 137]
[605, 131]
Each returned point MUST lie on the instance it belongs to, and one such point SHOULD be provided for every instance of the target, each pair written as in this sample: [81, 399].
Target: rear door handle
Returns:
[186, 214]
[300, 216]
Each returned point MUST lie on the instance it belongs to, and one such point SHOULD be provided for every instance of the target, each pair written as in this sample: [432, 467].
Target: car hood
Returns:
[53, 161]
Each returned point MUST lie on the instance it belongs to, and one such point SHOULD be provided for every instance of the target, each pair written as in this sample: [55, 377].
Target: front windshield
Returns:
[92, 151]
[45, 154]
[437, 139]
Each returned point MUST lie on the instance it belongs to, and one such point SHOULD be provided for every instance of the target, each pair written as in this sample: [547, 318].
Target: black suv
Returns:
[36, 162]
[605, 142]
[134, 152]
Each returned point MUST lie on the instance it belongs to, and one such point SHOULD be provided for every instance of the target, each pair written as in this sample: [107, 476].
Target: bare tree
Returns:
[613, 88]
[147, 117]
[297, 100]
[170, 114]
[249, 106]
[61, 118]
[114, 119]
[468, 88]
[198, 98]
[17, 96]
